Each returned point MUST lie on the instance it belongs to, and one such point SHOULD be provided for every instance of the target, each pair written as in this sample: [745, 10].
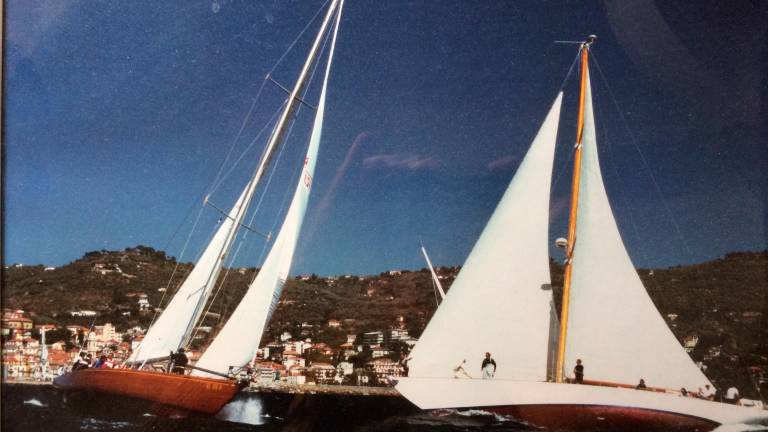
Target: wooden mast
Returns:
[559, 372]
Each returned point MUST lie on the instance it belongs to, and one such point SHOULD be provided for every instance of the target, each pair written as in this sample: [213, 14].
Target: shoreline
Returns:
[278, 387]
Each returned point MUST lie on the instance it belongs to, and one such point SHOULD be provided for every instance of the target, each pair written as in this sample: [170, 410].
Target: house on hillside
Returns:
[83, 313]
[143, 303]
[373, 338]
[690, 342]
[15, 321]
[379, 351]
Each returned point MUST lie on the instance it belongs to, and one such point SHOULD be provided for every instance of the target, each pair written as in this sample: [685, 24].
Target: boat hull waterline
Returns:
[577, 407]
[204, 395]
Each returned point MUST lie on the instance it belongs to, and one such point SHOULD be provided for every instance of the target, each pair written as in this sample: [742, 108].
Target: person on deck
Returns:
[708, 393]
[100, 361]
[641, 385]
[578, 372]
[488, 362]
[180, 362]
[80, 363]
[109, 362]
[732, 396]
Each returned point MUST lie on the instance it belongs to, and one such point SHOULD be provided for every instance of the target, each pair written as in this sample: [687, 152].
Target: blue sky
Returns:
[119, 114]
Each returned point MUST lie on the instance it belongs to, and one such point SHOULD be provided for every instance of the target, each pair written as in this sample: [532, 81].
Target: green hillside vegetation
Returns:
[723, 302]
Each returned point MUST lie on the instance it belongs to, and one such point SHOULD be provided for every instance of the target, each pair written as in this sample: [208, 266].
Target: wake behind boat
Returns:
[501, 302]
[213, 379]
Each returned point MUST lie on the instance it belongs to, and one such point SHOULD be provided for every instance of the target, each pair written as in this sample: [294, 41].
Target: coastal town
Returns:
[30, 354]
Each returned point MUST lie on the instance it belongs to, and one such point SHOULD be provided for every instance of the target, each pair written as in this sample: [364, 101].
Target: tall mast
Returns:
[574, 210]
[274, 141]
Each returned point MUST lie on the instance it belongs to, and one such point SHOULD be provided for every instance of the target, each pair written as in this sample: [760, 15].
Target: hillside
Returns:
[723, 302]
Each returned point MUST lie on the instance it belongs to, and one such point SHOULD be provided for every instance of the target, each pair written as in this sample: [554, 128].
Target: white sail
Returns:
[167, 333]
[500, 301]
[239, 338]
[435, 279]
[613, 325]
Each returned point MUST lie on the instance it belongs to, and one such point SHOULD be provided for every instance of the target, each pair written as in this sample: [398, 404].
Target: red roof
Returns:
[270, 365]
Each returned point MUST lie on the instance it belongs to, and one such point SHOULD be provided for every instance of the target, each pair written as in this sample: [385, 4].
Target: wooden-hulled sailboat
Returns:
[213, 382]
[501, 302]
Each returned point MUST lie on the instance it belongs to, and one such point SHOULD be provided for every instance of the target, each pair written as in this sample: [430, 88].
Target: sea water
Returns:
[28, 408]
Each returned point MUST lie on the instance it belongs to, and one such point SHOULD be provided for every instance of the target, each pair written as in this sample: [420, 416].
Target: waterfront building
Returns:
[323, 373]
[383, 368]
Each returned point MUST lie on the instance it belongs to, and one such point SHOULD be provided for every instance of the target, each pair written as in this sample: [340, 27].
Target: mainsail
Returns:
[501, 299]
[237, 341]
[168, 331]
[613, 325]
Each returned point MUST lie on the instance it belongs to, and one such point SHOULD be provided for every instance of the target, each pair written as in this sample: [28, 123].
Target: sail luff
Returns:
[230, 349]
[564, 308]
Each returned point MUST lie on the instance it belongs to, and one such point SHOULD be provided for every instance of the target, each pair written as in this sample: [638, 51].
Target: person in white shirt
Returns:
[732, 395]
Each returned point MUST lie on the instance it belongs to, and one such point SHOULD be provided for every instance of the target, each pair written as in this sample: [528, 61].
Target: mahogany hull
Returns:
[204, 395]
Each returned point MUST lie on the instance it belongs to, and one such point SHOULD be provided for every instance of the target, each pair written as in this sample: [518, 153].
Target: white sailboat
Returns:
[501, 302]
[212, 382]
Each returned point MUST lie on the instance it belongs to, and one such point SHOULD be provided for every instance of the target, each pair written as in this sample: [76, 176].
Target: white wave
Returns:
[475, 413]
[248, 410]
[94, 424]
[35, 402]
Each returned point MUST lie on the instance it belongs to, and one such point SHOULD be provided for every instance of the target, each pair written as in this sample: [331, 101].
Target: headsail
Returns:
[435, 279]
[240, 337]
[613, 324]
[501, 299]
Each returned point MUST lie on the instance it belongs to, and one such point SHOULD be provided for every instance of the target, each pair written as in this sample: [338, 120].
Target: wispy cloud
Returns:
[412, 163]
[502, 163]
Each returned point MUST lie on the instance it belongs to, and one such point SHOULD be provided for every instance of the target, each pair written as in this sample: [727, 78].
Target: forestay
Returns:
[613, 325]
[501, 300]
[235, 345]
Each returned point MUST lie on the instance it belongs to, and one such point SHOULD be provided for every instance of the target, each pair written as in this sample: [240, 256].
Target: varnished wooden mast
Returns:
[559, 372]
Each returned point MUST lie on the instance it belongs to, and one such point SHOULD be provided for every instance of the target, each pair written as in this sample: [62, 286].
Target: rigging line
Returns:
[250, 146]
[671, 215]
[247, 227]
[215, 182]
[570, 70]
[290, 47]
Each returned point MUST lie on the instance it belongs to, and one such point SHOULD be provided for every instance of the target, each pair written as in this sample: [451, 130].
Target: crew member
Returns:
[488, 367]
[578, 372]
